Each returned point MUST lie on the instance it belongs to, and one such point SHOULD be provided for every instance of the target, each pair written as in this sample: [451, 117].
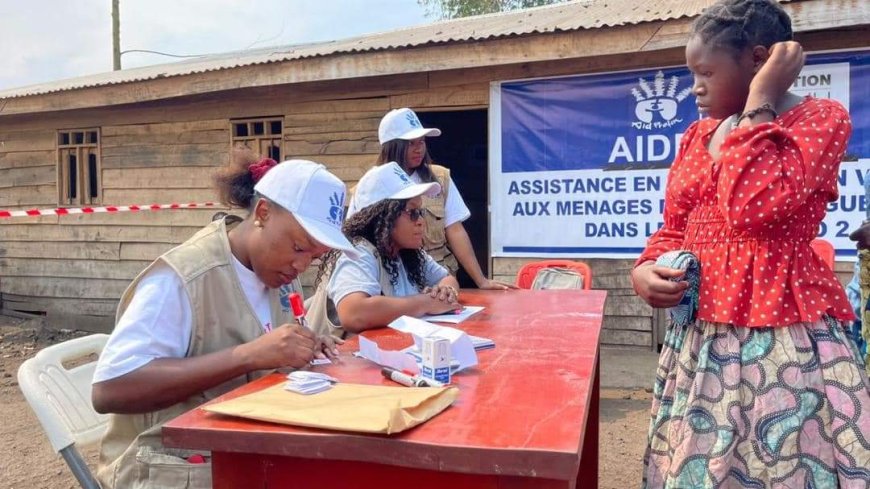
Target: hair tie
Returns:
[260, 168]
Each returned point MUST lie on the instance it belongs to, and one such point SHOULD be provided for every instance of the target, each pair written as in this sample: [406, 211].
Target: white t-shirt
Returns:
[455, 209]
[158, 322]
[361, 275]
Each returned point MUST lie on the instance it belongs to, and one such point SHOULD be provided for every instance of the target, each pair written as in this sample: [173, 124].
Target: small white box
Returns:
[436, 359]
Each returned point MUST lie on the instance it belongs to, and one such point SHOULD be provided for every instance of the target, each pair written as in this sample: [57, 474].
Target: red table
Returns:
[526, 416]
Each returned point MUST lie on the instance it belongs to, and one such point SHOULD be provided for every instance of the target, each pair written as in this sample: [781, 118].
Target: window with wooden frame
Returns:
[264, 136]
[78, 167]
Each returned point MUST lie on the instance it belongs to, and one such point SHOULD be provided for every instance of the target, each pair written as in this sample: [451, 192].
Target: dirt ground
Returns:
[27, 460]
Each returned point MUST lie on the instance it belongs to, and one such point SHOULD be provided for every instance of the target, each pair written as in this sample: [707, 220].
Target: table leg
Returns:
[587, 476]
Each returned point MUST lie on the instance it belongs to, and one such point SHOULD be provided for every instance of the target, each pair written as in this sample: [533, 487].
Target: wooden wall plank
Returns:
[617, 337]
[36, 249]
[121, 196]
[12, 141]
[169, 138]
[368, 145]
[49, 267]
[199, 177]
[454, 96]
[143, 251]
[195, 218]
[28, 221]
[81, 288]
[165, 128]
[326, 116]
[168, 151]
[372, 106]
[85, 234]
[61, 306]
[632, 323]
[92, 324]
[28, 176]
[363, 125]
[626, 305]
[23, 159]
[153, 158]
[29, 196]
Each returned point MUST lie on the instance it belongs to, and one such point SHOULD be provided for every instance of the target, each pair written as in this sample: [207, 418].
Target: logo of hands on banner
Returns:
[656, 106]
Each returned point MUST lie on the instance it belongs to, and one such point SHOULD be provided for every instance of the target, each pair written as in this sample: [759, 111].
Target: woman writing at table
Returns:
[393, 276]
[207, 316]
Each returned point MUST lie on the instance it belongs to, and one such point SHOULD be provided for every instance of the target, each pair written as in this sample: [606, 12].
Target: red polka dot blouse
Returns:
[750, 216]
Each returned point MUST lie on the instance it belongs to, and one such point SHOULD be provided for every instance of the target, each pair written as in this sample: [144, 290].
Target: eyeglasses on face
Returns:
[415, 214]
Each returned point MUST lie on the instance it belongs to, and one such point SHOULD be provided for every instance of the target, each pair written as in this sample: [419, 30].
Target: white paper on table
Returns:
[467, 312]
[398, 360]
[461, 347]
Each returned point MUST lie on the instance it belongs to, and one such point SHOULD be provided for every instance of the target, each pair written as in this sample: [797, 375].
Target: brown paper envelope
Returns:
[345, 407]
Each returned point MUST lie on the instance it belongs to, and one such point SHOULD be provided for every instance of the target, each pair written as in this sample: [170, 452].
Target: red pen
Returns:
[298, 309]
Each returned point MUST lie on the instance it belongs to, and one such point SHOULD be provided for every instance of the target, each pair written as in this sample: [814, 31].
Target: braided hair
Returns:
[741, 24]
[375, 224]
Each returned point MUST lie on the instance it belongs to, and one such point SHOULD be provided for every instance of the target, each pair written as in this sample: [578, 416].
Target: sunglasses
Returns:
[415, 214]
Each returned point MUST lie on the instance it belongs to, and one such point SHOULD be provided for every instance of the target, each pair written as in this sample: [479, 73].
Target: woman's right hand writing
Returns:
[653, 284]
[286, 346]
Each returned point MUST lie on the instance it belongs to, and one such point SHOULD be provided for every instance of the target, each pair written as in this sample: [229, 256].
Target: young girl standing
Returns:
[763, 388]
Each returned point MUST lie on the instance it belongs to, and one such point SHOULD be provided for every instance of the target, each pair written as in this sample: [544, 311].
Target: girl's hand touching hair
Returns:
[776, 75]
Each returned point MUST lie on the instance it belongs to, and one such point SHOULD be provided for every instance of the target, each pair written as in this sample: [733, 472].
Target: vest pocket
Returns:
[435, 236]
[168, 469]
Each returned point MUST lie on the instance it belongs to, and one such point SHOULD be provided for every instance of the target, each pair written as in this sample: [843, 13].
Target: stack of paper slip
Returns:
[305, 382]
[481, 343]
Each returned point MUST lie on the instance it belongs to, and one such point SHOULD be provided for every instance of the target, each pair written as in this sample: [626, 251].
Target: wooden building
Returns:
[156, 134]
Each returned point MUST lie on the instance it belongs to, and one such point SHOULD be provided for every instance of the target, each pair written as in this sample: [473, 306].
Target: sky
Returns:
[48, 40]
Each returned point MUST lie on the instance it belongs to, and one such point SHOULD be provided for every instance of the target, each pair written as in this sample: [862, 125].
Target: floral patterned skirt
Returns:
[737, 407]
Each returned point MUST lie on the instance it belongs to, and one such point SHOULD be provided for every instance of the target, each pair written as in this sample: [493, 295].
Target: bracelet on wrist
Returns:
[750, 114]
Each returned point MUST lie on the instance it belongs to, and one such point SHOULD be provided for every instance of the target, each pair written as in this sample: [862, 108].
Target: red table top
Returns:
[521, 411]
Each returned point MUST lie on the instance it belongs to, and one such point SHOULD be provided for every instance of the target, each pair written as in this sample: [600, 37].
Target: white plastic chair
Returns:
[61, 399]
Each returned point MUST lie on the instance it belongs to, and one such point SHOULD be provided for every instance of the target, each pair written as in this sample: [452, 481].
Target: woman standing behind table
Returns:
[403, 140]
[763, 386]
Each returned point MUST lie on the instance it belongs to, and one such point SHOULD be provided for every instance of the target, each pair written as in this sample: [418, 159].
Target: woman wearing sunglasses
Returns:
[393, 276]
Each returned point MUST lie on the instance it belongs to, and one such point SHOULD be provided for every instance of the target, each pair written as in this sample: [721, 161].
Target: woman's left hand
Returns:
[327, 347]
[444, 293]
[488, 284]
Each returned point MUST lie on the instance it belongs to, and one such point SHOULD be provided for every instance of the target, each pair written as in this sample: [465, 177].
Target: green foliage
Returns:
[454, 9]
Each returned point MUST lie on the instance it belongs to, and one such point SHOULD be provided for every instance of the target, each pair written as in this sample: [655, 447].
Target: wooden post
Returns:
[116, 35]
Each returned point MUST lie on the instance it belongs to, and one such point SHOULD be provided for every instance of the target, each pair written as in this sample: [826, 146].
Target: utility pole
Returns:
[116, 35]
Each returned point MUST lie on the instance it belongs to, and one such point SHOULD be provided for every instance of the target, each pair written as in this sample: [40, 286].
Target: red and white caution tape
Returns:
[63, 211]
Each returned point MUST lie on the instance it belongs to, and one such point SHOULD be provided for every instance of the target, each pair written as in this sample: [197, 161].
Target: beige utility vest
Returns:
[132, 453]
[435, 239]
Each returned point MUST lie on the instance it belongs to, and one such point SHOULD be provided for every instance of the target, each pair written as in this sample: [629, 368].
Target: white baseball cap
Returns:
[388, 181]
[403, 124]
[314, 196]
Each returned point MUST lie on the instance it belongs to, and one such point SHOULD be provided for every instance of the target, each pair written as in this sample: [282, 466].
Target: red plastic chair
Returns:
[825, 250]
[527, 273]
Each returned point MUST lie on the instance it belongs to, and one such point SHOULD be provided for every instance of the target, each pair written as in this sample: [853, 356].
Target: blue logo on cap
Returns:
[336, 208]
[402, 176]
[412, 120]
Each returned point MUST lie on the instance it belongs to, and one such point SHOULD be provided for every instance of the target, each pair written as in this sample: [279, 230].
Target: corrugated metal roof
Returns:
[588, 14]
